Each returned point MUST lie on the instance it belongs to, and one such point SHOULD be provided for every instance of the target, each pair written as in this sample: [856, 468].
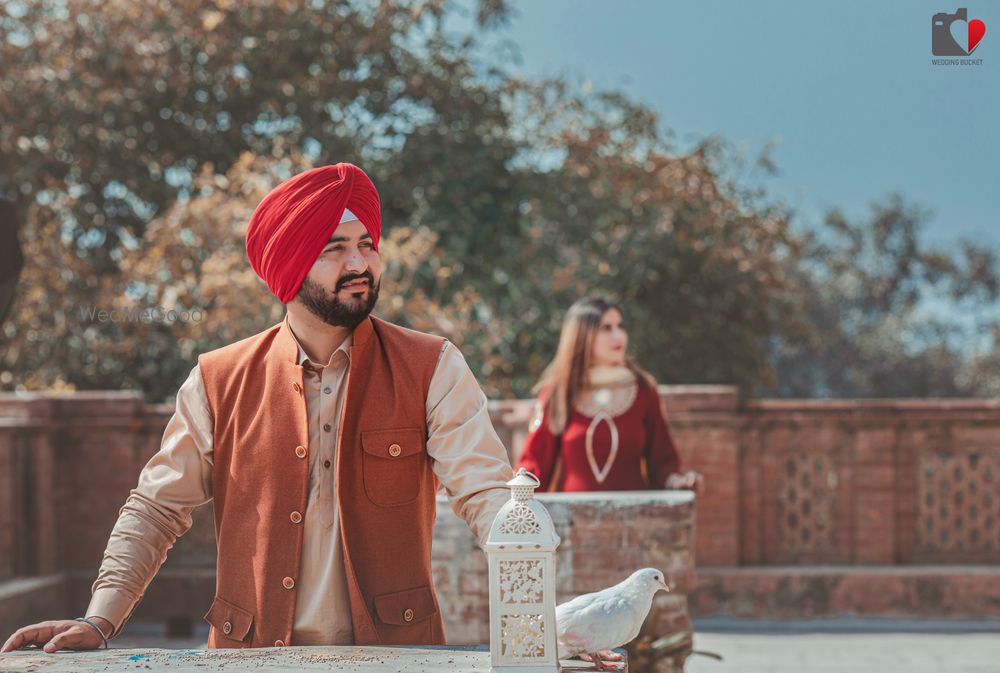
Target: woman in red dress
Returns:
[599, 425]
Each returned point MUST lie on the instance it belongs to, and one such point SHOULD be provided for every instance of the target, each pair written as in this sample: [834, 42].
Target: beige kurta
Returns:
[468, 459]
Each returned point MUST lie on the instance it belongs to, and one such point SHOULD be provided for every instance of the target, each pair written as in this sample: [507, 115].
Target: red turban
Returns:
[294, 222]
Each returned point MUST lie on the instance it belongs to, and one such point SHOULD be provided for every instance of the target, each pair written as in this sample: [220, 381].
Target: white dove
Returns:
[607, 619]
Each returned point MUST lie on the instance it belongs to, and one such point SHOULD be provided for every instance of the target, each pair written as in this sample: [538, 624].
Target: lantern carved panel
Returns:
[521, 582]
[522, 636]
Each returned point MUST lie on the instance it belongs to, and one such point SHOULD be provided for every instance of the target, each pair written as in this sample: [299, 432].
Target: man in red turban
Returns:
[321, 440]
[295, 221]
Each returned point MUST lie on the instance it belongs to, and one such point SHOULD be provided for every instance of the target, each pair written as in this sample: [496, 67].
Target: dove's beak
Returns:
[663, 585]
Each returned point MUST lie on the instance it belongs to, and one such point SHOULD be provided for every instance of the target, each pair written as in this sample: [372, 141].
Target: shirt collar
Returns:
[302, 358]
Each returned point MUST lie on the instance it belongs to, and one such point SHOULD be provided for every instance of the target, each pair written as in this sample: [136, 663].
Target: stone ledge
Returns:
[617, 498]
[790, 592]
[845, 625]
[348, 659]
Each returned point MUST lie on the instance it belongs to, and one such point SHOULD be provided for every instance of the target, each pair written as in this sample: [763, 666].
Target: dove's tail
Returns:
[706, 653]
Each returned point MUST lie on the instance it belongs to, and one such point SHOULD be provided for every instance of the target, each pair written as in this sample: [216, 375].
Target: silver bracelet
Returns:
[95, 627]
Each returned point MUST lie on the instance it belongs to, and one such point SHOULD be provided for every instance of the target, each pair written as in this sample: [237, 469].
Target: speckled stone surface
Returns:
[347, 659]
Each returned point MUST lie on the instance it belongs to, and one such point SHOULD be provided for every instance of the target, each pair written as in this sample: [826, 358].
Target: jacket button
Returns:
[295, 517]
[407, 615]
[288, 583]
[227, 628]
[394, 450]
[300, 451]
[279, 643]
[298, 388]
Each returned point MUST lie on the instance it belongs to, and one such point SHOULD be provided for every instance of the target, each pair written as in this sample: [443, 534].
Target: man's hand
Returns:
[62, 634]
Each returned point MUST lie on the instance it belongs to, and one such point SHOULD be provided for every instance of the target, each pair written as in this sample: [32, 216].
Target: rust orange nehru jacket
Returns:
[385, 486]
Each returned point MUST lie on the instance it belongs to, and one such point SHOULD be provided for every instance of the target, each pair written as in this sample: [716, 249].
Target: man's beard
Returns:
[330, 309]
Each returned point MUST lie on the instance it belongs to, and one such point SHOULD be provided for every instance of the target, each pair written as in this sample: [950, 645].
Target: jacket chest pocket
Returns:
[393, 465]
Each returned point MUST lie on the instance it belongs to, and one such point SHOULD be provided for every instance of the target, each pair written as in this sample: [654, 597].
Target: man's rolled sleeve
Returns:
[176, 479]
[470, 461]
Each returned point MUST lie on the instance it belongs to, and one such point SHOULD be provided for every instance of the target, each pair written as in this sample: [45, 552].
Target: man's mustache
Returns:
[350, 278]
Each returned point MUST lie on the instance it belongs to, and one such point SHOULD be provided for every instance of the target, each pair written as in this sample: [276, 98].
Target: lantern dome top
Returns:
[523, 485]
[522, 522]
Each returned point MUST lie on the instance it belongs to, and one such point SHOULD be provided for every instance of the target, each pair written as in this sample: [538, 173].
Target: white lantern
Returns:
[521, 549]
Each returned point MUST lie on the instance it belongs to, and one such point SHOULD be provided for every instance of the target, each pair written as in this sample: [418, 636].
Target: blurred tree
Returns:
[11, 259]
[110, 110]
[982, 372]
[889, 316]
[138, 137]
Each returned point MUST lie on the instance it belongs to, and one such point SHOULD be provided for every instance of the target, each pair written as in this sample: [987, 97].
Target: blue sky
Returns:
[846, 90]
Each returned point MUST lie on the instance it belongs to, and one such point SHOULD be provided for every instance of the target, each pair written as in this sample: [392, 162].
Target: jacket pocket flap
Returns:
[403, 608]
[395, 443]
[231, 621]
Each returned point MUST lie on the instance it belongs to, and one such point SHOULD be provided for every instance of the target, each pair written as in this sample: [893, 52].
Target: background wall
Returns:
[882, 507]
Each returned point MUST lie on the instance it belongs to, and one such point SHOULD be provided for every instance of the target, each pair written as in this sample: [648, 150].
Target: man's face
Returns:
[342, 286]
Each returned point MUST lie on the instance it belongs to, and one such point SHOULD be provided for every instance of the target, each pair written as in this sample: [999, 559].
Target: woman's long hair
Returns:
[567, 375]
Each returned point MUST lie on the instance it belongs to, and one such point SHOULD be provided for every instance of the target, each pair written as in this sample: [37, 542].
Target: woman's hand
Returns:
[690, 480]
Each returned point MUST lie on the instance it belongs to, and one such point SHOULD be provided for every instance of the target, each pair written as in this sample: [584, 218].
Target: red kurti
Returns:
[645, 447]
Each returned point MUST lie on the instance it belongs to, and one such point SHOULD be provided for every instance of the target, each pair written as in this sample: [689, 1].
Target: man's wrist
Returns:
[107, 628]
[113, 606]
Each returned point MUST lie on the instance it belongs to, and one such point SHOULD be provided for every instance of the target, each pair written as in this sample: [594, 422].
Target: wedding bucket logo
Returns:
[955, 35]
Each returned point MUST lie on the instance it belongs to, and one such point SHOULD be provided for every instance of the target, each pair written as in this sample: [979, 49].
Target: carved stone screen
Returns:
[958, 505]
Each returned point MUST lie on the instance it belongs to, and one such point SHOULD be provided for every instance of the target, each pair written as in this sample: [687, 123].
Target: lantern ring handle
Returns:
[538, 482]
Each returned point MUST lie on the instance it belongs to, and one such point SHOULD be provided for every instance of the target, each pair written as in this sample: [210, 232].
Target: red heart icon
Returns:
[976, 31]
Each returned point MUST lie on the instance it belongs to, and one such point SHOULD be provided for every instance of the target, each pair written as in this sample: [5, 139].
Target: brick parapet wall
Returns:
[788, 481]
[901, 483]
